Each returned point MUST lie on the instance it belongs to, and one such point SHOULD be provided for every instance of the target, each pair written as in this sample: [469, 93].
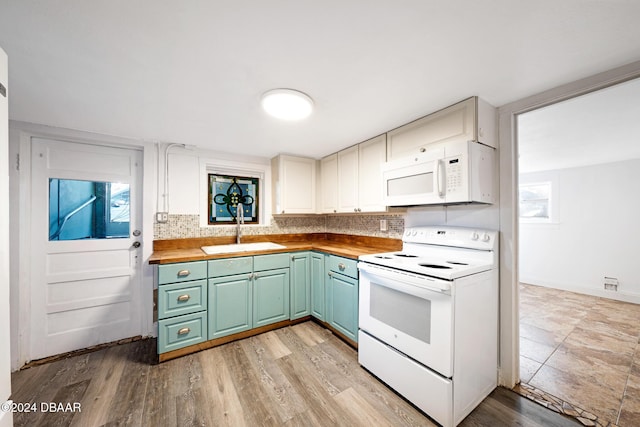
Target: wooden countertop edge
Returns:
[349, 246]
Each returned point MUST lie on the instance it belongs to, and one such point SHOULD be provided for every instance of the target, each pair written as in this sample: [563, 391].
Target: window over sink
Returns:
[225, 183]
[227, 192]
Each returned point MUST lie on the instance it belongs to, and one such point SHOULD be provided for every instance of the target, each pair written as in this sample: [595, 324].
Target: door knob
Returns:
[136, 244]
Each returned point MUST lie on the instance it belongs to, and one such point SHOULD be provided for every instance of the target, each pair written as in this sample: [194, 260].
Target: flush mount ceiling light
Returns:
[287, 104]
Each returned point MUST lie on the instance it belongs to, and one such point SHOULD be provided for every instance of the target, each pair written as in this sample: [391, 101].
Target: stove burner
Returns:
[382, 257]
[434, 266]
[406, 255]
[457, 263]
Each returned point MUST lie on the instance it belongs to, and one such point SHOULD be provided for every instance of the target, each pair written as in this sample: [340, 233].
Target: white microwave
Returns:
[447, 173]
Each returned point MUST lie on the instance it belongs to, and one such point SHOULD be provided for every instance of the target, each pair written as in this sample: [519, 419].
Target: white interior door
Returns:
[85, 245]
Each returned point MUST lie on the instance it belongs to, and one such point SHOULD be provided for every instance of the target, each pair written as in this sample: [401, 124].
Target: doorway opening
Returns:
[579, 177]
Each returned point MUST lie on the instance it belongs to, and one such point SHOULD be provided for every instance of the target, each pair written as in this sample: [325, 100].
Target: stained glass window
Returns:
[226, 192]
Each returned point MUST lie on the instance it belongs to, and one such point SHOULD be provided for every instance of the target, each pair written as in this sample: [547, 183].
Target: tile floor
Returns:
[582, 350]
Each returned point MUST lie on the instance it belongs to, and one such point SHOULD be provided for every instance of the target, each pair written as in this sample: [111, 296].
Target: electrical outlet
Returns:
[162, 217]
[383, 225]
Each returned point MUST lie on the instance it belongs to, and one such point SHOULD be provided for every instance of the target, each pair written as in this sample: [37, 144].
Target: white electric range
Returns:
[428, 319]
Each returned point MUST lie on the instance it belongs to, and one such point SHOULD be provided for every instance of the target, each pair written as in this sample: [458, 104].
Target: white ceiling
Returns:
[600, 127]
[192, 72]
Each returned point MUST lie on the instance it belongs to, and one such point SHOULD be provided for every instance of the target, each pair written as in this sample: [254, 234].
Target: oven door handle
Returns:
[405, 278]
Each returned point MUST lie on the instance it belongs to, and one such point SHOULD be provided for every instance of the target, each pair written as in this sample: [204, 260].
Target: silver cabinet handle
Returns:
[184, 297]
[251, 276]
[341, 266]
[183, 273]
[330, 274]
[184, 331]
[292, 257]
[422, 149]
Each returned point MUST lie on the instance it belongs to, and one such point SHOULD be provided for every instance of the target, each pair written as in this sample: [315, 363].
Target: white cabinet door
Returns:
[329, 184]
[348, 180]
[294, 181]
[469, 120]
[371, 155]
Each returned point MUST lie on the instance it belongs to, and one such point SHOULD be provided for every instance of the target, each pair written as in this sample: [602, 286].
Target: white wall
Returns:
[594, 234]
[5, 331]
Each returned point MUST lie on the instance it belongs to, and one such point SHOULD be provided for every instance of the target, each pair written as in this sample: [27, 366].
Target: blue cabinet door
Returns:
[318, 295]
[229, 305]
[270, 296]
[343, 307]
[300, 285]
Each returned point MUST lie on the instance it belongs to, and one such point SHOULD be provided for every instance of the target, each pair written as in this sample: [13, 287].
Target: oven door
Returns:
[411, 313]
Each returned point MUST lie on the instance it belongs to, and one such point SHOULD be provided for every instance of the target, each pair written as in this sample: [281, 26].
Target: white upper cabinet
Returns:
[371, 155]
[348, 180]
[469, 120]
[352, 178]
[293, 185]
[329, 184]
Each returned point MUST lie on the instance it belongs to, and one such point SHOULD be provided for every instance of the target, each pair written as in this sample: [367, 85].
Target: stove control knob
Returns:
[486, 237]
[407, 232]
[413, 233]
[474, 236]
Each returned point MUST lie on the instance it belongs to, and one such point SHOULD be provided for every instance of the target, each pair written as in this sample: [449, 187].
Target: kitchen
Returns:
[185, 166]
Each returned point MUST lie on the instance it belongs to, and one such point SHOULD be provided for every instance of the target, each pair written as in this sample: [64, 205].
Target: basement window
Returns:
[535, 202]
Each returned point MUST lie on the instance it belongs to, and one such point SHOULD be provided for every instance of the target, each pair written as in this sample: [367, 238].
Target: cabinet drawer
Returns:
[182, 298]
[182, 331]
[182, 272]
[270, 262]
[230, 266]
[346, 266]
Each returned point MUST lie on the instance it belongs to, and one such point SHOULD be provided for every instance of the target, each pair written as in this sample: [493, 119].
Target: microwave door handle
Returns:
[440, 178]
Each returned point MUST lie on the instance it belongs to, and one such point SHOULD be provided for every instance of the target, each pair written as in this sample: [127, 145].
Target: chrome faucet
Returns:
[239, 220]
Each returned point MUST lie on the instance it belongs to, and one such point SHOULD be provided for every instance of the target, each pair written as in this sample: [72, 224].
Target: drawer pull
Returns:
[183, 273]
[183, 298]
[341, 266]
[184, 331]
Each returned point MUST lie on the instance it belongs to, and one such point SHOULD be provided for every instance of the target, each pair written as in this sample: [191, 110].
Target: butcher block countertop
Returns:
[345, 245]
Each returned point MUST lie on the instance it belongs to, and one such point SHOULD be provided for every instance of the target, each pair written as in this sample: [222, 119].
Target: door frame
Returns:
[509, 371]
[20, 135]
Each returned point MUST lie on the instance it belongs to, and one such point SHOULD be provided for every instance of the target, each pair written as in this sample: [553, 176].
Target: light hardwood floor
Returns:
[296, 376]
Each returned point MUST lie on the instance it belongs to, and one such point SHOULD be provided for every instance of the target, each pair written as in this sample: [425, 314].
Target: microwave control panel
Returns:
[454, 175]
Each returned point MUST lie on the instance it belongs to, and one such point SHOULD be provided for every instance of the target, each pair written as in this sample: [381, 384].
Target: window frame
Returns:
[234, 168]
[537, 220]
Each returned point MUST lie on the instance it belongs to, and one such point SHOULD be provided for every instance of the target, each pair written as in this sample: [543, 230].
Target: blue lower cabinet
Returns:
[300, 285]
[342, 295]
[270, 297]
[182, 298]
[229, 305]
[181, 331]
[317, 279]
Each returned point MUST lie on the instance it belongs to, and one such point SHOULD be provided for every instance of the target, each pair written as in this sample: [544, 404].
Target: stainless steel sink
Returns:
[240, 247]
